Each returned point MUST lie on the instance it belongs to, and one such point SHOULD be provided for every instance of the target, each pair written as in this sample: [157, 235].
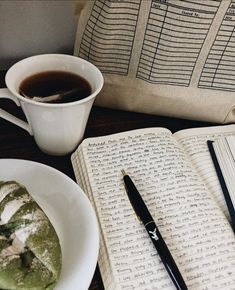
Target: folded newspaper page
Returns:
[167, 57]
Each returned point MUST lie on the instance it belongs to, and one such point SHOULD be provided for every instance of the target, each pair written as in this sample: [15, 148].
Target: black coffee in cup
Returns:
[55, 87]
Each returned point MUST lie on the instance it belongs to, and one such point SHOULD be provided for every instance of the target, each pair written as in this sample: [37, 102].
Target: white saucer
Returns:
[70, 212]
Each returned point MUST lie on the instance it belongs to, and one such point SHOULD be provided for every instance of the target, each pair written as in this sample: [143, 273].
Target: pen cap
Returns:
[136, 200]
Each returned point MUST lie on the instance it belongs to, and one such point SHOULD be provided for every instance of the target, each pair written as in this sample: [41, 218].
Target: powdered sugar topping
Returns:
[7, 188]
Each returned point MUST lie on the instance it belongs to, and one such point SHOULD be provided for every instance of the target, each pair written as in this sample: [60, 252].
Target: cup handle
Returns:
[5, 93]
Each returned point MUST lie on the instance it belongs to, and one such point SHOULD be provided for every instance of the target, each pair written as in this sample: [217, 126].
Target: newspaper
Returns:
[167, 57]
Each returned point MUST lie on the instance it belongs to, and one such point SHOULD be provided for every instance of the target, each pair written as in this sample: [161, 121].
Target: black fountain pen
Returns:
[161, 247]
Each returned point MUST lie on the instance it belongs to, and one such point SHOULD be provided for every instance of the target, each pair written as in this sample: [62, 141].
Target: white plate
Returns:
[70, 212]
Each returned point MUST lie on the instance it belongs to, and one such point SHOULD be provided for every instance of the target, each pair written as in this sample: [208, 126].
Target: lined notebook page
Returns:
[83, 179]
[194, 228]
[193, 141]
[225, 154]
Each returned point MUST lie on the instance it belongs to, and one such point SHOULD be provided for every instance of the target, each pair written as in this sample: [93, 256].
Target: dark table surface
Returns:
[17, 143]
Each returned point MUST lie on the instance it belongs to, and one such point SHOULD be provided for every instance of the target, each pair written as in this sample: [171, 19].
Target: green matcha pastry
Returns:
[30, 253]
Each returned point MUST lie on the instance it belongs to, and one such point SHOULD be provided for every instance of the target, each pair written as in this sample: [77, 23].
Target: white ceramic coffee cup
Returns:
[57, 128]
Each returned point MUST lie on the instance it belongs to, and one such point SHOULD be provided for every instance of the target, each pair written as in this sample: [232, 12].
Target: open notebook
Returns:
[175, 175]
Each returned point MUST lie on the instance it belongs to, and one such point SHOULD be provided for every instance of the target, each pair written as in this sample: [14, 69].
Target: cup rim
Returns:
[53, 105]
